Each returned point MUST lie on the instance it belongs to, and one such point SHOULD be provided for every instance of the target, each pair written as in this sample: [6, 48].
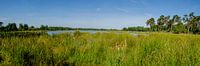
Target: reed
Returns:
[109, 49]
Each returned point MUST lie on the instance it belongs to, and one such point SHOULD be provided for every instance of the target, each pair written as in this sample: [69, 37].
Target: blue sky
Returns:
[92, 13]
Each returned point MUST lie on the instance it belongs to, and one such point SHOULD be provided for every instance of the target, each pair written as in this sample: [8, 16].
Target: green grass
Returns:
[104, 49]
[21, 34]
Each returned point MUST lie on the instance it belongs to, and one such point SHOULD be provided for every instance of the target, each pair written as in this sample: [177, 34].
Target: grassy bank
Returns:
[101, 49]
[21, 34]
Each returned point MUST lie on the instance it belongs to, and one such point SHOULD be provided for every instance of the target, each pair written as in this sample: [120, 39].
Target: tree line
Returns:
[138, 28]
[13, 27]
[25, 27]
[188, 23]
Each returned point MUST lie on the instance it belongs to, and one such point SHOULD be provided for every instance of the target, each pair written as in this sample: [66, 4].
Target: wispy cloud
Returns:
[122, 10]
[3, 18]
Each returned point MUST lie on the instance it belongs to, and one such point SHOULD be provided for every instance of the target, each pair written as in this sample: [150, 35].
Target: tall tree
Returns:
[1, 26]
[188, 19]
[179, 28]
[11, 27]
[176, 19]
[195, 24]
[166, 21]
[25, 26]
[170, 25]
[151, 22]
[43, 27]
[160, 22]
[21, 27]
[32, 27]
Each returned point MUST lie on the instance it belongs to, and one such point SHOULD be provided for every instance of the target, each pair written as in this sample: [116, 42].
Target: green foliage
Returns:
[189, 23]
[151, 22]
[21, 27]
[179, 28]
[160, 22]
[101, 49]
[1, 23]
[139, 28]
[26, 27]
[1, 26]
[21, 34]
[11, 27]
[43, 27]
[59, 28]
[77, 34]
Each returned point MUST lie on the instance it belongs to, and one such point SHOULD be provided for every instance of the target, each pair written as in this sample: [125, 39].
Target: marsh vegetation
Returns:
[101, 49]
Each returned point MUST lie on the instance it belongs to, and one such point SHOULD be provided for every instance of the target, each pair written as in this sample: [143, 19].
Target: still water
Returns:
[71, 31]
[93, 31]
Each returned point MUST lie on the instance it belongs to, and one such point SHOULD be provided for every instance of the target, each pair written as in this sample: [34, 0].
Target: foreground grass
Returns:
[103, 49]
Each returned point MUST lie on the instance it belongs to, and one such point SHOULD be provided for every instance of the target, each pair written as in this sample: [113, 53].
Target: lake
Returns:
[64, 31]
[93, 31]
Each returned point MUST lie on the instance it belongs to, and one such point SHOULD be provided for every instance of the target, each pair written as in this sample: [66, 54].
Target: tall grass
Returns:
[105, 49]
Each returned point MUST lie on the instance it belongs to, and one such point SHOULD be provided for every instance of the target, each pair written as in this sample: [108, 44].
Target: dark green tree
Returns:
[166, 21]
[176, 19]
[189, 21]
[160, 22]
[11, 27]
[170, 25]
[125, 29]
[43, 27]
[32, 27]
[21, 27]
[195, 24]
[179, 28]
[26, 27]
[151, 22]
[1, 26]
